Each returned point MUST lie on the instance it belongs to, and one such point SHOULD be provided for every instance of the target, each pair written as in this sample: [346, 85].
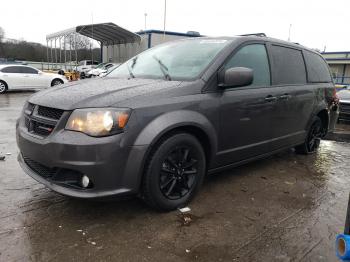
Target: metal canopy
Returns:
[108, 33]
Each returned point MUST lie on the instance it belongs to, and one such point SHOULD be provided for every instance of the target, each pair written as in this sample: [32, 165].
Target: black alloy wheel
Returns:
[174, 171]
[313, 138]
[178, 173]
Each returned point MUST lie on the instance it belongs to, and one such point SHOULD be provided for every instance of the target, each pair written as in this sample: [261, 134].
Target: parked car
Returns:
[110, 69]
[344, 99]
[85, 66]
[158, 123]
[101, 68]
[26, 77]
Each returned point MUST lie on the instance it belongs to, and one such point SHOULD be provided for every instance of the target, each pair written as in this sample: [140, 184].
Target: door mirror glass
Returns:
[237, 77]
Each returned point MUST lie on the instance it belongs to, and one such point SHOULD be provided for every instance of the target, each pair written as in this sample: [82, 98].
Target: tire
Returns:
[56, 82]
[3, 87]
[313, 138]
[174, 172]
[82, 75]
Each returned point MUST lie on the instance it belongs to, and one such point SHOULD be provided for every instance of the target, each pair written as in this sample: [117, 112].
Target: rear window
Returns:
[28, 70]
[317, 68]
[288, 66]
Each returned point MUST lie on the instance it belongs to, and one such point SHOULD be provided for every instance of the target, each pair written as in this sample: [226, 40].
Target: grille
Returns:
[344, 113]
[42, 128]
[344, 108]
[41, 120]
[40, 169]
[48, 112]
[27, 122]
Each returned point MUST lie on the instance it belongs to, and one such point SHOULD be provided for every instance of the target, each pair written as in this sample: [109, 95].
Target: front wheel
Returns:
[56, 82]
[174, 172]
[313, 138]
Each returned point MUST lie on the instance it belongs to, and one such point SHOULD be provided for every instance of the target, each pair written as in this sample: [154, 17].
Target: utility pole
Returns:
[164, 17]
[145, 21]
[290, 27]
[92, 36]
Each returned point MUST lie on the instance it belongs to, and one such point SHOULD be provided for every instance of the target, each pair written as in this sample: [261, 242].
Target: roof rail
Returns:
[256, 34]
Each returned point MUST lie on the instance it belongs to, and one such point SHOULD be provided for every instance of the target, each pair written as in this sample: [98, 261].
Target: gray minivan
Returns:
[158, 123]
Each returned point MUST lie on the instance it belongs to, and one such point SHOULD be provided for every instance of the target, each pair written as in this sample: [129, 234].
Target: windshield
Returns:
[100, 65]
[178, 60]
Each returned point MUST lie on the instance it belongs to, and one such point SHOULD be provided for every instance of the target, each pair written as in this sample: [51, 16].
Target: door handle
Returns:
[270, 98]
[285, 96]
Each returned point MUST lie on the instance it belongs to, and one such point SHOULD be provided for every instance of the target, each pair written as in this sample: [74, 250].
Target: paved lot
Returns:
[284, 208]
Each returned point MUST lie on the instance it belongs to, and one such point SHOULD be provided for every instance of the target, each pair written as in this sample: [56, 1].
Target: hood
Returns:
[344, 95]
[102, 92]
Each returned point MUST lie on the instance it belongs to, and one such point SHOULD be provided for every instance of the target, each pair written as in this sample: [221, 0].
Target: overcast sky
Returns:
[315, 24]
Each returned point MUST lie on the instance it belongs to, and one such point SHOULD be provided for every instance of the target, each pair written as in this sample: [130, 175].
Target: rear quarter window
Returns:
[288, 66]
[317, 68]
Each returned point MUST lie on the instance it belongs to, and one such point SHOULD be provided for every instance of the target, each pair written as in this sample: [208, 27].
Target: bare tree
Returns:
[2, 34]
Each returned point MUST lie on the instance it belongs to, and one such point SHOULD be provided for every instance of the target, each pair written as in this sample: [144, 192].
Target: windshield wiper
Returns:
[130, 71]
[163, 68]
[132, 66]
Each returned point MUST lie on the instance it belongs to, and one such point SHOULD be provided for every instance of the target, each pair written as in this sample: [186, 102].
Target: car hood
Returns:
[344, 95]
[101, 92]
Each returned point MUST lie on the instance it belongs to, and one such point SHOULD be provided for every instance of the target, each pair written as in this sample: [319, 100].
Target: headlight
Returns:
[98, 121]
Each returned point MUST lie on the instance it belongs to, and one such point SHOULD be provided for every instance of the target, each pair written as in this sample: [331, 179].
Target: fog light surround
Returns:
[85, 181]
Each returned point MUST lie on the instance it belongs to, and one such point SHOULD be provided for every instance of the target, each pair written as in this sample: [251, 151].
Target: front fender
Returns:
[176, 119]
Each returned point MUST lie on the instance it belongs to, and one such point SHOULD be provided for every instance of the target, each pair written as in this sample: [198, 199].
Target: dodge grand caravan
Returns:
[158, 123]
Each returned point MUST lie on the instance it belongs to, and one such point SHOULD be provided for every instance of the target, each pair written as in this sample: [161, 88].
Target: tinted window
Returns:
[11, 69]
[28, 70]
[317, 68]
[96, 63]
[288, 66]
[88, 62]
[253, 57]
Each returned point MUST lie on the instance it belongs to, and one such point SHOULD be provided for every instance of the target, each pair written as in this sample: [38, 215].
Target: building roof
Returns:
[106, 33]
[337, 57]
[153, 31]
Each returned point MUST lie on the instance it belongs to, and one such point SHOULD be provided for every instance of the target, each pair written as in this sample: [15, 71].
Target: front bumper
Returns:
[114, 169]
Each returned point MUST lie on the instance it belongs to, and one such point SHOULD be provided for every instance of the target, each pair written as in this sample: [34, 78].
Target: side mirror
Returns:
[236, 77]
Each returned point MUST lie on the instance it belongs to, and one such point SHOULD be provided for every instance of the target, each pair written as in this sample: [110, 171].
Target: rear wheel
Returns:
[3, 87]
[174, 172]
[313, 138]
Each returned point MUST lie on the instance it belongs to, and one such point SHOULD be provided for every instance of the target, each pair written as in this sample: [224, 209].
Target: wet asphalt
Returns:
[284, 208]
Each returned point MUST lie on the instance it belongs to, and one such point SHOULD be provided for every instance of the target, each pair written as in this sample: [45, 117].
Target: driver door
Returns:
[245, 112]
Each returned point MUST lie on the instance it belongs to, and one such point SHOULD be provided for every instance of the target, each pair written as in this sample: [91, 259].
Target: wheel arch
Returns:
[167, 124]
[324, 116]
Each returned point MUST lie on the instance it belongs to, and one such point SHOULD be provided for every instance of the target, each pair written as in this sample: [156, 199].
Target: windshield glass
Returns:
[100, 65]
[178, 60]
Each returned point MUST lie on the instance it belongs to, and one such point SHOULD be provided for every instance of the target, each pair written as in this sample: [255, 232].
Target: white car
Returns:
[27, 77]
[110, 69]
[85, 66]
[101, 68]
